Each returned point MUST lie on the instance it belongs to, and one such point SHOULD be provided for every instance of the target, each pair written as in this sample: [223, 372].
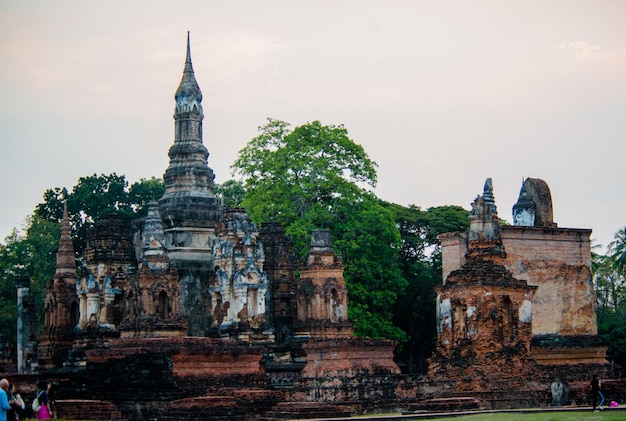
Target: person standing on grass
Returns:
[44, 413]
[5, 405]
[16, 402]
[596, 393]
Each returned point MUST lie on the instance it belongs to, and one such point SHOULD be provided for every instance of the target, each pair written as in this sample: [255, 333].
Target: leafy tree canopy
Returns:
[232, 192]
[31, 255]
[301, 173]
[617, 251]
[97, 195]
[316, 177]
[609, 279]
[420, 264]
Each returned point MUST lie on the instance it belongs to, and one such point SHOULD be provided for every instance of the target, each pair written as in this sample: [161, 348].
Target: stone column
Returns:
[93, 307]
[241, 299]
[83, 311]
[26, 327]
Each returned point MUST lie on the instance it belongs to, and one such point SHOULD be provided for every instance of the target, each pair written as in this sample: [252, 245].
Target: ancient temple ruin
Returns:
[516, 309]
[484, 313]
[322, 296]
[555, 260]
[196, 298]
[193, 312]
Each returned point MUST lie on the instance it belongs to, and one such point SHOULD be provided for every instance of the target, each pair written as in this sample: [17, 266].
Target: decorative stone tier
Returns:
[569, 350]
[186, 210]
[348, 357]
[109, 242]
[190, 356]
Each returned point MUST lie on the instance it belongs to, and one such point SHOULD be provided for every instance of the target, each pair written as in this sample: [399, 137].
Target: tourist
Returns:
[16, 402]
[4, 399]
[596, 393]
[44, 412]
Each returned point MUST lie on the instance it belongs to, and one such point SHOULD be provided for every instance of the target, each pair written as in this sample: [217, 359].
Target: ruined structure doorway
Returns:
[162, 309]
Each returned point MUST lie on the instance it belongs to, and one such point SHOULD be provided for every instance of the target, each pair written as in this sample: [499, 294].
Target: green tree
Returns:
[232, 192]
[97, 195]
[13, 254]
[609, 281]
[315, 176]
[617, 251]
[420, 263]
[301, 175]
[368, 242]
[143, 192]
[33, 256]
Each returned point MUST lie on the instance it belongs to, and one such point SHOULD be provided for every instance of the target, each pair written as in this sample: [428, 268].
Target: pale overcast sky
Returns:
[441, 94]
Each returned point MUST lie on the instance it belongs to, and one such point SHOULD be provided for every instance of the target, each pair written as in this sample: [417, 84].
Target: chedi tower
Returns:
[189, 209]
[484, 314]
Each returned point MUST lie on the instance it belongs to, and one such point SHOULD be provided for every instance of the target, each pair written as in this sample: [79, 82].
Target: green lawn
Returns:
[606, 415]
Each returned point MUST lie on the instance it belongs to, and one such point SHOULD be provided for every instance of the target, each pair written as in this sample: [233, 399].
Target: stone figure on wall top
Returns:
[525, 210]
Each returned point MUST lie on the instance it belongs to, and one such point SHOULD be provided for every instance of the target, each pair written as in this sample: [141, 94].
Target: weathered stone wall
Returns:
[207, 378]
[556, 260]
[357, 373]
[347, 357]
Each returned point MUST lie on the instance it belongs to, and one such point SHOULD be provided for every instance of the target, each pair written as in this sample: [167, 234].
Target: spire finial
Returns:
[188, 65]
[188, 96]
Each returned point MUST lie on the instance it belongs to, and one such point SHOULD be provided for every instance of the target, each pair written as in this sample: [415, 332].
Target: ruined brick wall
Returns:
[358, 371]
[348, 357]
[280, 267]
[190, 378]
[556, 260]
[453, 251]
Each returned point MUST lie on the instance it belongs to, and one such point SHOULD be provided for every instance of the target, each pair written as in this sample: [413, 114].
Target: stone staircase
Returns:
[224, 404]
[453, 404]
[302, 410]
[80, 409]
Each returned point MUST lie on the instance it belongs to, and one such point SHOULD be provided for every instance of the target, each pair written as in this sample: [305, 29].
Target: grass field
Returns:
[606, 415]
[521, 415]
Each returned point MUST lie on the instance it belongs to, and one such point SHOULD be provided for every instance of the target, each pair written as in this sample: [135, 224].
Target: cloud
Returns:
[583, 51]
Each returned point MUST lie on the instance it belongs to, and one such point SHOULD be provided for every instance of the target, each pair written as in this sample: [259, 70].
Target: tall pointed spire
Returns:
[66, 259]
[189, 206]
[188, 96]
[188, 170]
[188, 65]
